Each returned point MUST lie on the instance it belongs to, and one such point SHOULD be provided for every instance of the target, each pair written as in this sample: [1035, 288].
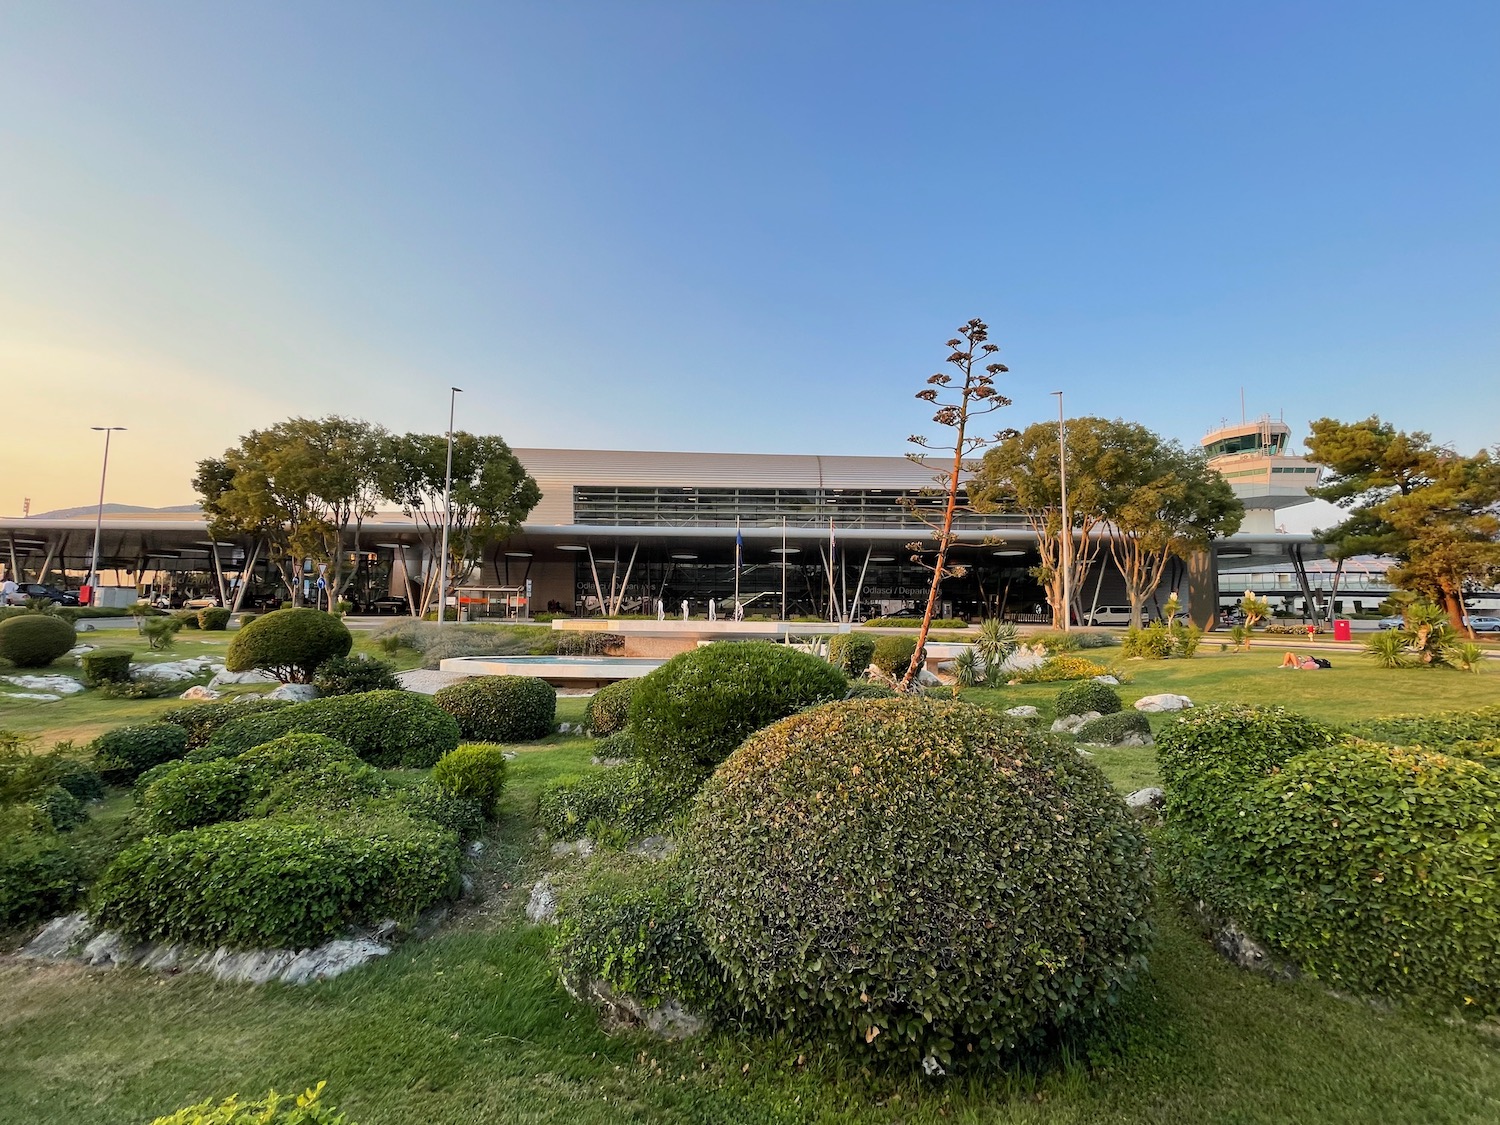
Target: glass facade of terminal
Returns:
[853, 508]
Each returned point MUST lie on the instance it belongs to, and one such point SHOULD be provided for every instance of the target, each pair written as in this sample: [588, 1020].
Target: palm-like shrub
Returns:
[997, 640]
[919, 878]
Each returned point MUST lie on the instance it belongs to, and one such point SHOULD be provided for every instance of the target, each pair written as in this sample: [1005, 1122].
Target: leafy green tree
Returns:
[491, 495]
[302, 487]
[1433, 510]
[1165, 502]
[972, 398]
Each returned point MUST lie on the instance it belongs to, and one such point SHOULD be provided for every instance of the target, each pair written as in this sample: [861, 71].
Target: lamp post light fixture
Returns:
[1067, 526]
[99, 519]
[442, 609]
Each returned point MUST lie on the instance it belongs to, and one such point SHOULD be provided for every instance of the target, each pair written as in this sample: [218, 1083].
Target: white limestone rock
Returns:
[1025, 711]
[173, 669]
[565, 848]
[200, 694]
[58, 938]
[1149, 798]
[1163, 702]
[541, 907]
[294, 693]
[255, 676]
[50, 685]
[33, 696]
[1112, 681]
[1069, 724]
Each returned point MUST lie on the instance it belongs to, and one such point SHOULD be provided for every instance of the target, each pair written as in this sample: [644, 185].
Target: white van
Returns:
[1108, 615]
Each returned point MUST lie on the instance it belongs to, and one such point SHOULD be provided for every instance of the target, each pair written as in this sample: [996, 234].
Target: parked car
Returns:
[1108, 615]
[1387, 623]
[1484, 624]
[36, 590]
[390, 605]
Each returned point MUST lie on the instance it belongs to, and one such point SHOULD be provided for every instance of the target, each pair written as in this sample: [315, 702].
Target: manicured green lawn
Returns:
[472, 1026]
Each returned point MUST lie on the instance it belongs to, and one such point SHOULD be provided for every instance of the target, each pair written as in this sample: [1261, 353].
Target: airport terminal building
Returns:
[620, 531]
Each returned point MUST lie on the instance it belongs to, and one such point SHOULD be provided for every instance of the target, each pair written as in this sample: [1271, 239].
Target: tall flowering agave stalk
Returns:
[960, 400]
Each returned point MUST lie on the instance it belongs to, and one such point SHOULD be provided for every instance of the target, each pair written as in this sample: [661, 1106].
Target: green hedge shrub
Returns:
[200, 720]
[631, 923]
[289, 643]
[62, 810]
[385, 728]
[40, 875]
[692, 711]
[276, 883]
[501, 708]
[34, 640]
[1110, 730]
[919, 878]
[851, 653]
[350, 675]
[609, 709]
[1090, 695]
[869, 690]
[186, 618]
[106, 666]
[1371, 867]
[23, 774]
[273, 1109]
[621, 744]
[123, 754]
[214, 619]
[622, 802]
[587, 644]
[1440, 729]
[296, 770]
[463, 816]
[892, 654]
[475, 771]
[1056, 643]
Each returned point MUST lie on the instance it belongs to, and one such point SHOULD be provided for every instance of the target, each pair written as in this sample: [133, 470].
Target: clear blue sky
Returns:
[742, 227]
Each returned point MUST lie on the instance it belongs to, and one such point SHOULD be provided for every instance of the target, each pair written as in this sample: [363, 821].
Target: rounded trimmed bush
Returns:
[296, 770]
[106, 666]
[1089, 695]
[627, 800]
[609, 709]
[697, 707]
[893, 652]
[350, 675]
[35, 640]
[501, 708]
[258, 884]
[289, 643]
[474, 770]
[1370, 867]
[463, 816]
[851, 653]
[123, 754]
[40, 875]
[214, 619]
[922, 878]
[630, 923]
[385, 728]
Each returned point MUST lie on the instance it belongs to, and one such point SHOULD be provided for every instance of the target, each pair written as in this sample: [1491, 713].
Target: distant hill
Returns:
[110, 510]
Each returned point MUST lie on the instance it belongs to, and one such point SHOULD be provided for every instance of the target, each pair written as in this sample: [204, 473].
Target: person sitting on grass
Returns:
[1305, 663]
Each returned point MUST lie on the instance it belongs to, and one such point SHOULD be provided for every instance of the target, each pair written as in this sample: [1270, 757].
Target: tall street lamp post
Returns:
[442, 610]
[1067, 526]
[99, 519]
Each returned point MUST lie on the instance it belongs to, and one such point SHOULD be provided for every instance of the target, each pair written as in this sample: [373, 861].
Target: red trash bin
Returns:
[1341, 630]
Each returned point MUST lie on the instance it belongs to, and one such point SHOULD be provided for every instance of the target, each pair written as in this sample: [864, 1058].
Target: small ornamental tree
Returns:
[290, 644]
[957, 406]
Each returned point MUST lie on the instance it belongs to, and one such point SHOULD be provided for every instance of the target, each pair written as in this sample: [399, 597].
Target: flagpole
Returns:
[783, 572]
[739, 552]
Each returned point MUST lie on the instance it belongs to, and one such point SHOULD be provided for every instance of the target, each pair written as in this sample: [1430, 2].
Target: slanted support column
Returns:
[1203, 589]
